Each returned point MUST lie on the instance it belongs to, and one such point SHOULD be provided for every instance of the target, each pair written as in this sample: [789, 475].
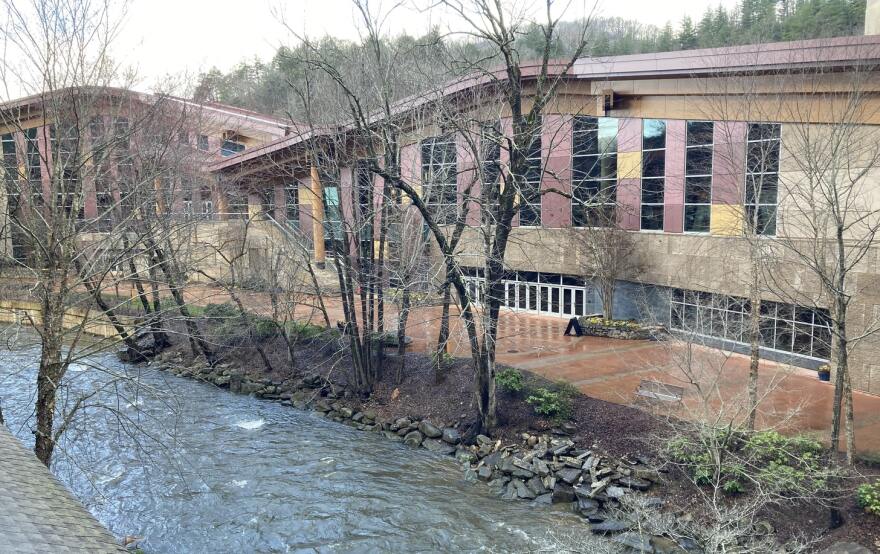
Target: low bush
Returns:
[264, 328]
[510, 380]
[221, 311]
[785, 466]
[868, 497]
[553, 404]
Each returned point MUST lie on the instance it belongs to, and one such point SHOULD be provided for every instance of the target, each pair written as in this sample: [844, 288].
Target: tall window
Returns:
[439, 177]
[530, 187]
[202, 142]
[490, 150]
[653, 173]
[10, 171]
[102, 177]
[594, 171]
[10, 159]
[207, 202]
[698, 176]
[762, 177]
[332, 214]
[291, 203]
[32, 156]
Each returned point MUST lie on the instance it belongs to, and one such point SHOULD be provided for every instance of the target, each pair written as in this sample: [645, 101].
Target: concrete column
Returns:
[318, 218]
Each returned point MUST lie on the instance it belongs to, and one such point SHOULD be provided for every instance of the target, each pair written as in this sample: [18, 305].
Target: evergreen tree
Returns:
[687, 34]
[666, 39]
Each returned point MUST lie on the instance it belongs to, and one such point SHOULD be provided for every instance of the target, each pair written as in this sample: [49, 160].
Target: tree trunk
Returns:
[754, 355]
[443, 336]
[49, 375]
[608, 300]
[401, 332]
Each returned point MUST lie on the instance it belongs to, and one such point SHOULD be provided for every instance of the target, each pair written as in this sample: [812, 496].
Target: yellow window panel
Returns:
[629, 165]
[727, 220]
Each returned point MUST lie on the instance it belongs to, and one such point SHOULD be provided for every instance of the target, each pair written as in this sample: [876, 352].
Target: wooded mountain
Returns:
[265, 86]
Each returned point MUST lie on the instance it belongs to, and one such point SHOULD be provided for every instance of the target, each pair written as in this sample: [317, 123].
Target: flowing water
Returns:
[193, 468]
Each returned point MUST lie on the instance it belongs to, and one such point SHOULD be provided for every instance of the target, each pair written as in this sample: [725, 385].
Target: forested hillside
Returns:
[265, 86]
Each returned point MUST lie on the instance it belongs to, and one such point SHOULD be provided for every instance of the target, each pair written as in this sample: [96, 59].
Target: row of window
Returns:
[546, 293]
[784, 327]
[595, 175]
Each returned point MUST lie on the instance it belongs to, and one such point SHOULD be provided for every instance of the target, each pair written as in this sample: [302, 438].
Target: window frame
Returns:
[606, 186]
[440, 195]
[757, 204]
[655, 179]
[708, 176]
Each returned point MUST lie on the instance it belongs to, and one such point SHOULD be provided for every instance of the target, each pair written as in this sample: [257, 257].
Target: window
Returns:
[203, 142]
[291, 203]
[32, 156]
[230, 147]
[594, 172]
[10, 158]
[653, 173]
[762, 177]
[182, 137]
[333, 234]
[784, 327]
[530, 186]
[237, 203]
[698, 176]
[439, 178]
[490, 149]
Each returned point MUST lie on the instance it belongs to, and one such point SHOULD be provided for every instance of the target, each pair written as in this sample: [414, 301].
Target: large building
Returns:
[701, 157]
[678, 142]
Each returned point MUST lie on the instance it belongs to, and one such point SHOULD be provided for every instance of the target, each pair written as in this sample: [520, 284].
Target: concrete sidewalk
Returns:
[791, 399]
[37, 514]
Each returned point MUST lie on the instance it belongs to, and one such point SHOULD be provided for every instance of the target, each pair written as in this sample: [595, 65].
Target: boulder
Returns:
[484, 473]
[437, 445]
[587, 506]
[346, 412]
[536, 486]
[451, 436]
[615, 492]
[359, 417]
[429, 430]
[563, 493]
[509, 492]
[370, 415]
[636, 542]
[568, 474]
[522, 491]
[413, 438]
[544, 499]
[400, 423]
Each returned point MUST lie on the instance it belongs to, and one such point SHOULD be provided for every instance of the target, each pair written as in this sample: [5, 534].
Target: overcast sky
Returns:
[177, 37]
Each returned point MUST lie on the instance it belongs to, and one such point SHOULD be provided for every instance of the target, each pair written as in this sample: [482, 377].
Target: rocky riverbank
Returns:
[542, 468]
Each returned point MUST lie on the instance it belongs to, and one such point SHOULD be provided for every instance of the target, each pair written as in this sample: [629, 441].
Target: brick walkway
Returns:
[37, 514]
[791, 399]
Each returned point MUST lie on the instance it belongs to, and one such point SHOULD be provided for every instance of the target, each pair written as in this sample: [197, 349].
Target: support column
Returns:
[318, 218]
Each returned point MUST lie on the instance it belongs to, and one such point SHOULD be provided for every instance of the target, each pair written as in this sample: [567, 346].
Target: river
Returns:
[193, 468]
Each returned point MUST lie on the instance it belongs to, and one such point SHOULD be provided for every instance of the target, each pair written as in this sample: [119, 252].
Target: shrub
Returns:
[221, 311]
[868, 497]
[549, 403]
[783, 465]
[264, 328]
[301, 330]
[510, 380]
